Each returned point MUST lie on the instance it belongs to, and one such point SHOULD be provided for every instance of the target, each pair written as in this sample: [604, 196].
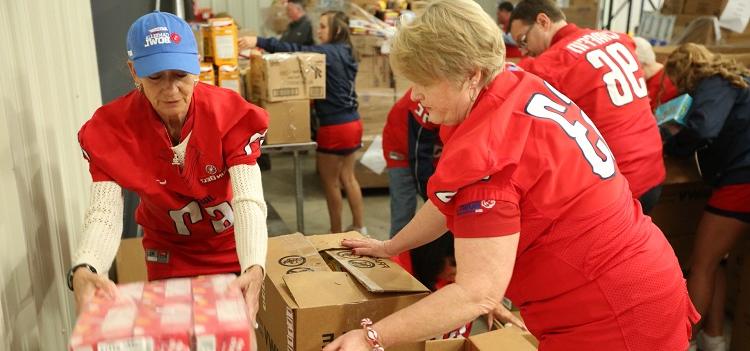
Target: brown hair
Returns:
[338, 27]
[528, 10]
[690, 63]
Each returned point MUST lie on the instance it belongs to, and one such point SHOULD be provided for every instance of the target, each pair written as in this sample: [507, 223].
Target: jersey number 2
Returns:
[221, 215]
[620, 80]
[542, 106]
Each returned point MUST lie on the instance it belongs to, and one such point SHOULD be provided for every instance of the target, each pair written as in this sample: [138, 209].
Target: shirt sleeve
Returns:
[243, 141]
[97, 174]
[486, 210]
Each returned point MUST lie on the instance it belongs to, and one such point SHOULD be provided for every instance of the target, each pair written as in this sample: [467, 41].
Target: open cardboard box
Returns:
[315, 290]
[504, 339]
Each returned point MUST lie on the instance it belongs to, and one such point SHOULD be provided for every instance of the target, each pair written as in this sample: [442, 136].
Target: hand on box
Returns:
[250, 283]
[354, 340]
[87, 283]
[248, 42]
[368, 247]
[504, 316]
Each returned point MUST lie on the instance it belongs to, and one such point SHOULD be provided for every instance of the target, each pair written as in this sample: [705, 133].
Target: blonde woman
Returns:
[538, 209]
[718, 128]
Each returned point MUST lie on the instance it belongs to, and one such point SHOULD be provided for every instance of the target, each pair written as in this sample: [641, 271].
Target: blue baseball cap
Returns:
[161, 41]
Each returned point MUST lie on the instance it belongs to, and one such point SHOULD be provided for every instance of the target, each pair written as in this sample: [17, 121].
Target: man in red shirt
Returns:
[598, 70]
[402, 136]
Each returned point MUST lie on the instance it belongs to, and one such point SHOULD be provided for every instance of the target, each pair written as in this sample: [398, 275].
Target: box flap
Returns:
[288, 254]
[376, 274]
[332, 241]
[510, 338]
[445, 345]
[315, 289]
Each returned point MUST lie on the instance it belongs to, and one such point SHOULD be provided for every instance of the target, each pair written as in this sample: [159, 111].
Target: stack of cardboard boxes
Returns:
[584, 13]
[686, 11]
[283, 84]
[217, 41]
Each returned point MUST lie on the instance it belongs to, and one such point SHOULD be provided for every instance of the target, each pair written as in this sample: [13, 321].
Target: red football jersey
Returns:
[597, 69]
[396, 130]
[660, 89]
[591, 272]
[185, 211]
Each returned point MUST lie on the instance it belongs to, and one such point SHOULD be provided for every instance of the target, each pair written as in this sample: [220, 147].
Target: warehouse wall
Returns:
[247, 14]
[50, 86]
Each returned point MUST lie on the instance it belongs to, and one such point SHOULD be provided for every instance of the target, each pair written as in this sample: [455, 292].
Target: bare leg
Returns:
[329, 168]
[352, 189]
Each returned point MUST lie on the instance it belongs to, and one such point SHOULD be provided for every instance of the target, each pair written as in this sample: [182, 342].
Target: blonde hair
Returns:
[644, 51]
[452, 39]
[690, 63]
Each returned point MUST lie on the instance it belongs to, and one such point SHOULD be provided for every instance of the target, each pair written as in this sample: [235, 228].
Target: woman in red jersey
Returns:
[538, 208]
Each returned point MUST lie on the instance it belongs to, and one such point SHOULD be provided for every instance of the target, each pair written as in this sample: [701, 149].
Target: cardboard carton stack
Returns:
[284, 84]
[584, 13]
[687, 11]
[181, 314]
[315, 291]
[217, 45]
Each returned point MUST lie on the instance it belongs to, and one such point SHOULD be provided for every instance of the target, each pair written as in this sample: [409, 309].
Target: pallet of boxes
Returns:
[284, 85]
[697, 21]
[217, 45]
[377, 90]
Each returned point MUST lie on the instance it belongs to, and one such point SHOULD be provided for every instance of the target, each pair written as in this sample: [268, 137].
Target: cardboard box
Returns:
[229, 78]
[680, 207]
[374, 106]
[284, 76]
[704, 7]
[220, 42]
[305, 304]
[130, 261]
[289, 121]
[586, 16]
[374, 73]
[207, 73]
[366, 178]
[672, 7]
[511, 339]
[741, 325]
[366, 45]
[313, 68]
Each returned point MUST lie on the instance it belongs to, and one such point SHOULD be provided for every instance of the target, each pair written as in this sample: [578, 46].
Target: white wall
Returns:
[50, 86]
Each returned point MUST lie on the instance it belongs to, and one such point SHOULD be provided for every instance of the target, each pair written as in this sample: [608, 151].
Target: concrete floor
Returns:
[278, 187]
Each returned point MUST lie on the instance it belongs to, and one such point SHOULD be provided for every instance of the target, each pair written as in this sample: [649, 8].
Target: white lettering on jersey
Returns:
[620, 80]
[255, 142]
[445, 196]
[590, 41]
[542, 106]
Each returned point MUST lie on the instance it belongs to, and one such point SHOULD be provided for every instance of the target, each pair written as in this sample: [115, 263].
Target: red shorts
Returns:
[340, 139]
[731, 201]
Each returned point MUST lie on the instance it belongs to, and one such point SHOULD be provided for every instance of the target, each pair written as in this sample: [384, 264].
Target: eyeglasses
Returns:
[522, 40]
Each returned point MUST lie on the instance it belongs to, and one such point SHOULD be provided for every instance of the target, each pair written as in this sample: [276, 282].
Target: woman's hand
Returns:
[246, 43]
[369, 247]
[250, 283]
[501, 314]
[352, 341]
[87, 283]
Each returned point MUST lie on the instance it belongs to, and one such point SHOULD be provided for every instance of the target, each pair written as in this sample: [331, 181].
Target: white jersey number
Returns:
[221, 216]
[542, 106]
[620, 80]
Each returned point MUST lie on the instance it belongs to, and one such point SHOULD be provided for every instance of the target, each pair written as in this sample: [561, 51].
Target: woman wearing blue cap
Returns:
[340, 132]
[189, 151]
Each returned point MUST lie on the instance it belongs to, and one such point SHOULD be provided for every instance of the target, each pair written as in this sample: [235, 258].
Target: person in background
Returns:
[504, 9]
[660, 87]
[534, 200]
[597, 69]
[340, 131]
[717, 127]
[300, 30]
[189, 151]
